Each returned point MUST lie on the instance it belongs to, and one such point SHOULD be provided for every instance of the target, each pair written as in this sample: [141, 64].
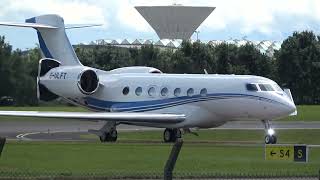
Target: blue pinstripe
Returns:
[140, 106]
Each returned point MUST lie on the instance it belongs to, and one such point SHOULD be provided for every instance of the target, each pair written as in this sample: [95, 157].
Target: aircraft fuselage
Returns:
[206, 100]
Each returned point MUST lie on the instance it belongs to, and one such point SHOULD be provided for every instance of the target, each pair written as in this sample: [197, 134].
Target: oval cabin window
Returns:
[190, 92]
[152, 91]
[177, 92]
[125, 91]
[203, 92]
[138, 91]
[164, 91]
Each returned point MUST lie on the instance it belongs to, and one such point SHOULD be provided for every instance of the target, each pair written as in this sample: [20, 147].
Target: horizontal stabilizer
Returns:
[32, 25]
[37, 25]
[81, 26]
[104, 116]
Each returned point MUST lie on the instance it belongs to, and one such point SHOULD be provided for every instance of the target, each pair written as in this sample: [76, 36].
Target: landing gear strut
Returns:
[108, 133]
[171, 135]
[270, 137]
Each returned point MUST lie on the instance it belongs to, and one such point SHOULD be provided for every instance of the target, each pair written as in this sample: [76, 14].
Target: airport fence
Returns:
[26, 174]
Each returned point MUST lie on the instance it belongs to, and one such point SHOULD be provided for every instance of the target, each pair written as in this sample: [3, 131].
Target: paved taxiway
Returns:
[74, 130]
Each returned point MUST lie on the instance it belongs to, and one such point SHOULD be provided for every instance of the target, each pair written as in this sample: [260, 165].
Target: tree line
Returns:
[296, 65]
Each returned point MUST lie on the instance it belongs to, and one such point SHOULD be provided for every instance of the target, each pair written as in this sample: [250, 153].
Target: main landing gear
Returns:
[171, 135]
[270, 137]
[108, 133]
[111, 136]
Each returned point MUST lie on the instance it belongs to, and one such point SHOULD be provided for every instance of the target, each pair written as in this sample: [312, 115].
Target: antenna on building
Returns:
[197, 32]
[175, 3]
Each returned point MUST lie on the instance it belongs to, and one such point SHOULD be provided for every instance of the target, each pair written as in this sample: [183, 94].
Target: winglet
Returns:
[82, 26]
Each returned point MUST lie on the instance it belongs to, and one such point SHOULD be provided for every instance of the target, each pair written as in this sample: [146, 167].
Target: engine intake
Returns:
[88, 82]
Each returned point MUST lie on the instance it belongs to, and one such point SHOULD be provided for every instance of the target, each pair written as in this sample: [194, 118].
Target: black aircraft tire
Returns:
[113, 136]
[177, 134]
[167, 135]
[274, 139]
[267, 139]
[104, 137]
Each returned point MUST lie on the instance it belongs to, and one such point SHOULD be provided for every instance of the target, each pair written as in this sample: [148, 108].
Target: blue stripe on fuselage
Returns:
[140, 106]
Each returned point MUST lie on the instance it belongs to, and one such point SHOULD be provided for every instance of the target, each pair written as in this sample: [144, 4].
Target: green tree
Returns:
[24, 91]
[226, 56]
[297, 68]
[254, 62]
[7, 82]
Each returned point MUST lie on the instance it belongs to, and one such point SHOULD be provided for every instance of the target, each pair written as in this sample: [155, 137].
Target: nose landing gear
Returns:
[270, 137]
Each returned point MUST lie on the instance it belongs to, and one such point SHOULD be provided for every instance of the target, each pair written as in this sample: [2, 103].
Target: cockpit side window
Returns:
[266, 87]
[251, 87]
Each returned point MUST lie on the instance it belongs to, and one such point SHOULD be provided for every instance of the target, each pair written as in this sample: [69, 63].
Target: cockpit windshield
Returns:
[263, 87]
[277, 87]
[266, 87]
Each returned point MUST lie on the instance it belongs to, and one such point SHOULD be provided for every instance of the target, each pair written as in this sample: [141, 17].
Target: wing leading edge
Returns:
[104, 116]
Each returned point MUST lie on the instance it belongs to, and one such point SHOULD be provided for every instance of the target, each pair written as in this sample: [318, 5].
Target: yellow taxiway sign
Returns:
[294, 153]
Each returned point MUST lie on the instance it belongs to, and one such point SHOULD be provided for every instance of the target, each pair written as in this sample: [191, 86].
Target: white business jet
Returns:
[145, 96]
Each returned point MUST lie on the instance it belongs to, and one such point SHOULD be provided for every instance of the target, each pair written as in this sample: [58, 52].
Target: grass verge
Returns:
[76, 159]
[123, 160]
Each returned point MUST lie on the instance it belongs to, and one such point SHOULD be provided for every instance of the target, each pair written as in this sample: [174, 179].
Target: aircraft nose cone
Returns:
[291, 107]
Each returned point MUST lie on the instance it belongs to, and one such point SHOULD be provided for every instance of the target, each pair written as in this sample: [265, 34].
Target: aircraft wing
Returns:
[103, 116]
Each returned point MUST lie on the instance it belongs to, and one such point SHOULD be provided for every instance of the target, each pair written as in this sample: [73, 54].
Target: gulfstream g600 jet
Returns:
[145, 96]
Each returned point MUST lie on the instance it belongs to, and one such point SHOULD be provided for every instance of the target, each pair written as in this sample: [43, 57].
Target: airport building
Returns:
[176, 23]
[265, 46]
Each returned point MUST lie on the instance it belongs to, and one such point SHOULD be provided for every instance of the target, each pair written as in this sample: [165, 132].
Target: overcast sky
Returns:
[253, 19]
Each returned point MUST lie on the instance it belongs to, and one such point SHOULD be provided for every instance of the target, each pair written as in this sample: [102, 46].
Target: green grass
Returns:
[138, 159]
[305, 112]
[134, 159]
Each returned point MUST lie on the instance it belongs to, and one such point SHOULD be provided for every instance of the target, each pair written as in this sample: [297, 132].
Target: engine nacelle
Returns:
[88, 82]
[69, 82]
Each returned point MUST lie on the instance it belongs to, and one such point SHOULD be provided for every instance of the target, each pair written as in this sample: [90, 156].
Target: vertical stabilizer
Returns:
[54, 42]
